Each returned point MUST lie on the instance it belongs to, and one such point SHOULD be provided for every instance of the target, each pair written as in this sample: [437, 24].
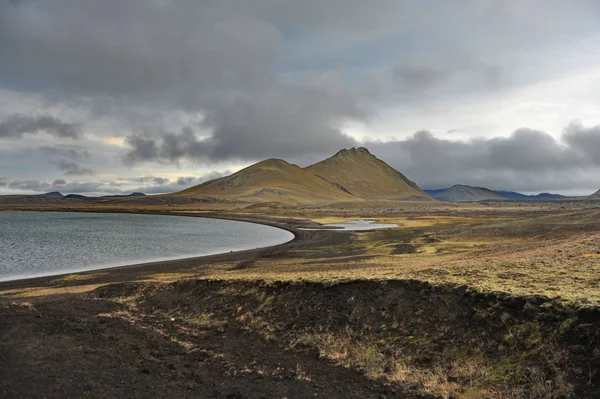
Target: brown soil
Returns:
[83, 347]
[219, 339]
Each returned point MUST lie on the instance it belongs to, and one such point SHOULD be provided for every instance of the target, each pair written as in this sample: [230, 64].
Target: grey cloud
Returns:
[65, 157]
[57, 185]
[65, 151]
[462, 72]
[16, 126]
[152, 180]
[160, 186]
[73, 168]
[153, 185]
[418, 76]
[527, 160]
[29, 185]
[243, 64]
[135, 48]
[289, 122]
[586, 141]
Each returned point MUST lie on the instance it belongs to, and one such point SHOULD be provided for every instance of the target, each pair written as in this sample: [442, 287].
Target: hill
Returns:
[462, 193]
[349, 175]
[595, 196]
[523, 197]
[55, 194]
[134, 194]
[361, 174]
[269, 180]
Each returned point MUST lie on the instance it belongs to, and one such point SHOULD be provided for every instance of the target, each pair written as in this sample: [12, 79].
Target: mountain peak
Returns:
[272, 163]
[353, 152]
[363, 175]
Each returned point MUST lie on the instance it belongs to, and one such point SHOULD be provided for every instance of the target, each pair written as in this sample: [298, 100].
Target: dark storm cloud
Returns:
[527, 160]
[16, 126]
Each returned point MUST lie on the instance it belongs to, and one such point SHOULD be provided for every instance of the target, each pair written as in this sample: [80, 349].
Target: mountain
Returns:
[269, 180]
[361, 174]
[522, 197]
[433, 193]
[461, 193]
[350, 175]
[134, 194]
[595, 196]
[55, 194]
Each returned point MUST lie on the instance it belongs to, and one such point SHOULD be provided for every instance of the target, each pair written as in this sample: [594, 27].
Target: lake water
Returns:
[358, 225]
[36, 244]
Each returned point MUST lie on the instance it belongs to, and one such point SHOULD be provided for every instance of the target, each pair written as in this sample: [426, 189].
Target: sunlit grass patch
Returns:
[81, 277]
[168, 277]
[48, 291]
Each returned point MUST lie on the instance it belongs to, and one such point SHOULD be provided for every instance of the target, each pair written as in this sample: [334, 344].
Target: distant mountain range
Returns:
[349, 175]
[539, 197]
[463, 193]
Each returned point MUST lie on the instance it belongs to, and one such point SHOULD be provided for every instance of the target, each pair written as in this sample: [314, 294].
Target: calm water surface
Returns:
[358, 225]
[45, 243]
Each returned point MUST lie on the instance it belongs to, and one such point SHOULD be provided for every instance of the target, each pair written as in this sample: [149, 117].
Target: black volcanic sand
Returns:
[232, 339]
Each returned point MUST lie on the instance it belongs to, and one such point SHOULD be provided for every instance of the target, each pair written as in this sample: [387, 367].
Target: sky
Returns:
[114, 96]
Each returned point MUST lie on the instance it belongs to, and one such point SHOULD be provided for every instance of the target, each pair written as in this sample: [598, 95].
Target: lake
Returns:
[34, 244]
[357, 225]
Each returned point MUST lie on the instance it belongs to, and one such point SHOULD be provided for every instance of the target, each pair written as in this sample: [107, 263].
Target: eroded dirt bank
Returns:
[363, 339]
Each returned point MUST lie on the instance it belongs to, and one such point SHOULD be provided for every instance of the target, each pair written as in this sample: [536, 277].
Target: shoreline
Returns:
[301, 238]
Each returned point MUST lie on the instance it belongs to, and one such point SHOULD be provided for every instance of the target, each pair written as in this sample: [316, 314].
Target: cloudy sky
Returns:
[113, 96]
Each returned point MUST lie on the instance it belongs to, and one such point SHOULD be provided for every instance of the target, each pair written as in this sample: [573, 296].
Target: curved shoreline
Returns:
[302, 238]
